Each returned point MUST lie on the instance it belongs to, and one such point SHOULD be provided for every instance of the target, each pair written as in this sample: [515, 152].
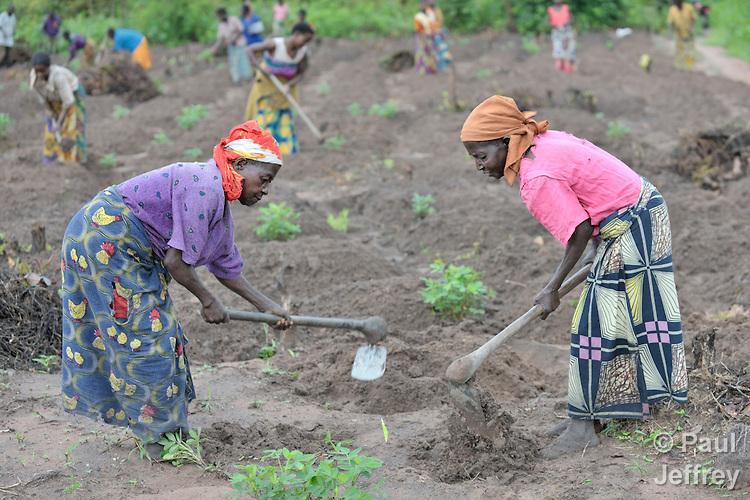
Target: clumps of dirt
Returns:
[227, 442]
[120, 77]
[30, 320]
[399, 61]
[712, 157]
[480, 446]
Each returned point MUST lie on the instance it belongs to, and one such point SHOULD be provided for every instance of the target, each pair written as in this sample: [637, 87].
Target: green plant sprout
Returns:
[388, 109]
[179, 451]
[193, 154]
[190, 115]
[109, 160]
[161, 137]
[324, 89]
[334, 143]
[120, 111]
[617, 129]
[47, 361]
[355, 109]
[5, 123]
[339, 222]
[389, 164]
[422, 205]
[530, 46]
[277, 221]
[457, 292]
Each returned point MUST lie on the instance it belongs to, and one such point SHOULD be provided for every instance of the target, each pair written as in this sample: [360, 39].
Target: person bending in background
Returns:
[124, 350]
[681, 19]
[252, 25]
[626, 343]
[280, 13]
[7, 33]
[230, 35]
[51, 28]
[65, 124]
[563, 36]
[134, 43]
[78, 42]
[286, 59]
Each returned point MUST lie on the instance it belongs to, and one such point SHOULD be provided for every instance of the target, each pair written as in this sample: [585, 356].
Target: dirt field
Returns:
[375, 269]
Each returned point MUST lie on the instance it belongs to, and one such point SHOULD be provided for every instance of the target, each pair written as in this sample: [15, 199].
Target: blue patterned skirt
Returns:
[626, 337]
[124, 358]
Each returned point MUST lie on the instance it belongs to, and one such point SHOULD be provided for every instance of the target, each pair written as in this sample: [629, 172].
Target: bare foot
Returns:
[580, 434]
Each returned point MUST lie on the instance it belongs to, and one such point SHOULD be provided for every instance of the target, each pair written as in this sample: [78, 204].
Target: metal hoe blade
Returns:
[369, 362]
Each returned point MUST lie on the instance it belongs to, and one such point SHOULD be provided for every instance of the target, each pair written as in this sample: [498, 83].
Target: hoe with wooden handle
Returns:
[468, 398]
[293, 102]
[369, 362]
[462, 369]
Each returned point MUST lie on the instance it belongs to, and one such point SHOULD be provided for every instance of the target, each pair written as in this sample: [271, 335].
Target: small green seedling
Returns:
[355, 109]
[617, 129]
[190, 115]
[179, 451]
[277, 221]
[384, 428]
[108, 161]
[5, 123]
[120, 112]
[268, 351]
[74, 484]
[457, 291]
[47, 361]
[161, 137]
[422, 205]
[193, 154]
[483, 74]
[206, 56]
[324, 89]
[284, 473]
[388, 109]
[339, 222]
[389, 164]
[334, 143]
[530, 46]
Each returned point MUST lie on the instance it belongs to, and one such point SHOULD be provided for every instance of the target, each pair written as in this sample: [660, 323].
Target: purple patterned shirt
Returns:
[183, 206]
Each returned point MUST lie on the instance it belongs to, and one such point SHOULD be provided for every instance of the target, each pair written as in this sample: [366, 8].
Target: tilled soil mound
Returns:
[712, 157]
[120, 77]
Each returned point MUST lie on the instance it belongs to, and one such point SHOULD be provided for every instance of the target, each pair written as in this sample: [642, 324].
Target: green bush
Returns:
[422, 205]
[5, 122]
[337, 473]
[190, 115]
[388, 109]
[277, 222]
[457, 292]
[339, 222]
[730, 26]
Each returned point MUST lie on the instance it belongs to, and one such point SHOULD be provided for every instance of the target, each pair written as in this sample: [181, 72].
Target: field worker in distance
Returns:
[132, 42]
[252, 25]
[51, 28]
[62, 94]
[78, 42]
[124, 351]
[626, 347]
[563, 36]
[681, 19]
[230, 35]
[7, 33]
[280, 13]
[442, 52]
[286, 59]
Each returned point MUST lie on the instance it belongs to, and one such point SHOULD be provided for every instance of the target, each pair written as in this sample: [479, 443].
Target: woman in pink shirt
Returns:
[626, 349]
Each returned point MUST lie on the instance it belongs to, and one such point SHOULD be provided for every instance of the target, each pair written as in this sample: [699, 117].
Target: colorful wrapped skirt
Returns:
[443, 54]
[124, 358]
[425, 57]
[684, 57]
[68, 144]
[272, 111]
[627, 349]
[564, 43]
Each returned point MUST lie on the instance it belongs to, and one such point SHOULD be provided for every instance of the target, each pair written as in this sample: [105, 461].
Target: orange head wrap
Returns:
[262, 147]
[499, 117]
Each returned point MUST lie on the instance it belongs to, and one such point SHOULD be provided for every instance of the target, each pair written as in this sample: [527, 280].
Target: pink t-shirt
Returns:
[569, 180]
[280, 12]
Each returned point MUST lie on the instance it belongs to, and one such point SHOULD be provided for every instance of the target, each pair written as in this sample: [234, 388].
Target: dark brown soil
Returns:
[377, 266]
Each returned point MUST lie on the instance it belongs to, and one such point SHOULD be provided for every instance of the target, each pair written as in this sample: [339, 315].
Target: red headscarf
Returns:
[231, 180]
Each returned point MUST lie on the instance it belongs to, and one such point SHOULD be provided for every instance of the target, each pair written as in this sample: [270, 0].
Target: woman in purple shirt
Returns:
[124, 356]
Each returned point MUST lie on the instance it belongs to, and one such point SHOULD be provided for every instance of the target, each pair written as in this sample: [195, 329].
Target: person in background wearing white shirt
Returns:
[7, 31]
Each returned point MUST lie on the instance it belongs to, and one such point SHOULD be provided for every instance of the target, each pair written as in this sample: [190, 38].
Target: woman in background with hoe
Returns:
[626, 349]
